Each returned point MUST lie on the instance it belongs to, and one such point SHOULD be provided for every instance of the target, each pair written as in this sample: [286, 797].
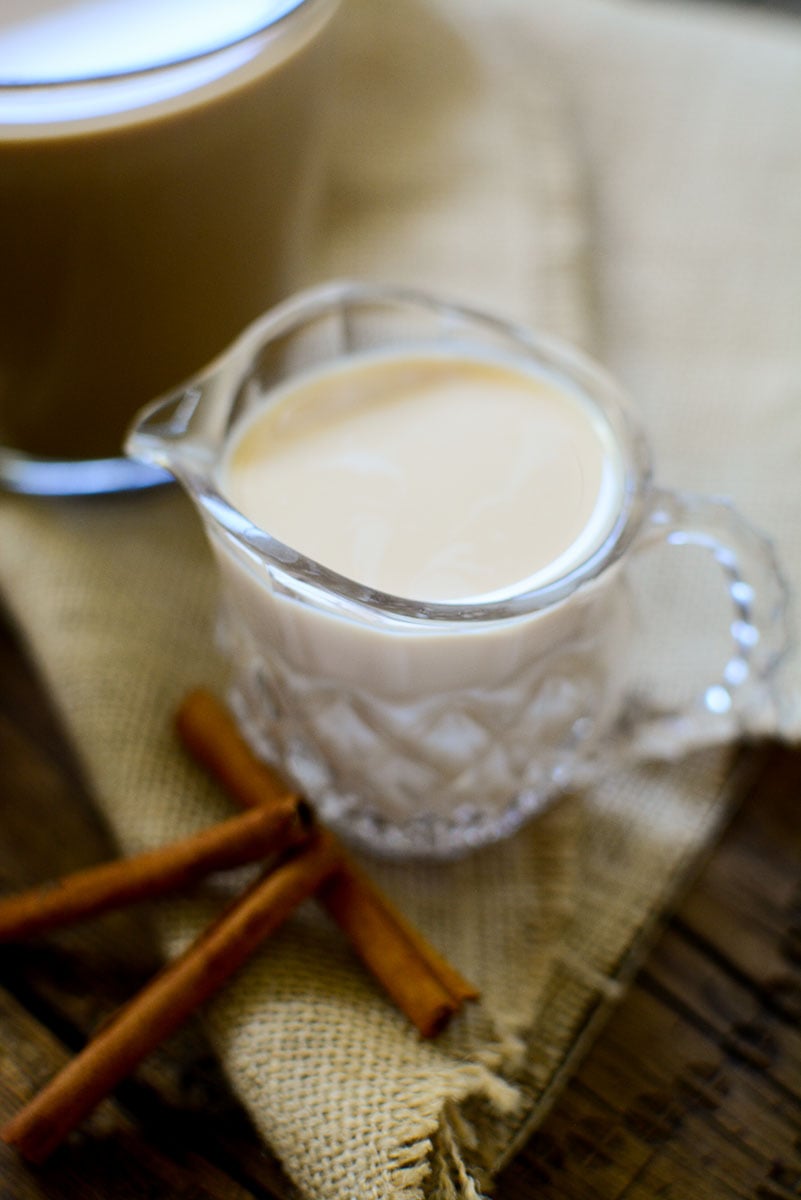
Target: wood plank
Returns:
[656, 1098]
[731, 1013]
[693, 1089]
[107, 1158]
[746, 910]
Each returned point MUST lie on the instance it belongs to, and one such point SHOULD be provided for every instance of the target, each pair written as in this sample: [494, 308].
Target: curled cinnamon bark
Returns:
[243, 839]
[175, 992]
[419, 979]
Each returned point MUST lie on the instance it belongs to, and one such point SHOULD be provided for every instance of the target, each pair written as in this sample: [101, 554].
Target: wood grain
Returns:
[693, 1089]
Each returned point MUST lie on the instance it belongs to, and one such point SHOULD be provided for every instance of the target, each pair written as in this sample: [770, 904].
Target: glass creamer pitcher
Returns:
[428, 728]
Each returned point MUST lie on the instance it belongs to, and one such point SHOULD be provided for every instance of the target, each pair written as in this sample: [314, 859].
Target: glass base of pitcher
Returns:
[428, 837]
[363, 826]
[27, 475]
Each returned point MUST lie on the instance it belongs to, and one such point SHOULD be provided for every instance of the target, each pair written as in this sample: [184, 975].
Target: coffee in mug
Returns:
[159, 163]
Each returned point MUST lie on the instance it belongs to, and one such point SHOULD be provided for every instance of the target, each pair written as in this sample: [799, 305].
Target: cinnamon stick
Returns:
[424, 985]
[396, 961]
[232, 843]
[211, 735]
[160, 1008]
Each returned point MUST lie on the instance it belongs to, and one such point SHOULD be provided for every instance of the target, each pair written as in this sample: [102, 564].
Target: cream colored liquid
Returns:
[432, 476]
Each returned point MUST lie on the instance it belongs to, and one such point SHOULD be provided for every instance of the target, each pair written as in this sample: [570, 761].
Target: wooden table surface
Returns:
[692, 1090]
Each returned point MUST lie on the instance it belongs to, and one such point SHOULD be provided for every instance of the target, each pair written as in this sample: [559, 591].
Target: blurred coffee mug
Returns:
[159, 163]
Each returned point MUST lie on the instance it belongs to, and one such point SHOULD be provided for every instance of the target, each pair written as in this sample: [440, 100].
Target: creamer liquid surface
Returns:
[433, 476]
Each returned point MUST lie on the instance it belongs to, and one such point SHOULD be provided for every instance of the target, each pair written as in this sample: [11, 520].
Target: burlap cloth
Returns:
[625, 175]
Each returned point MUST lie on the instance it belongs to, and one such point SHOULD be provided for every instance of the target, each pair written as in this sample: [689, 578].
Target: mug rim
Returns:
[307, 578]
[285, 11]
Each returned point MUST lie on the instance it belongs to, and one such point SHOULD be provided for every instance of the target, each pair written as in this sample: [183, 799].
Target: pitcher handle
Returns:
[744, 699]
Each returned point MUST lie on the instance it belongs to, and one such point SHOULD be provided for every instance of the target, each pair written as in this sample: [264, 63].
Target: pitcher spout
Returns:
[170, 433]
